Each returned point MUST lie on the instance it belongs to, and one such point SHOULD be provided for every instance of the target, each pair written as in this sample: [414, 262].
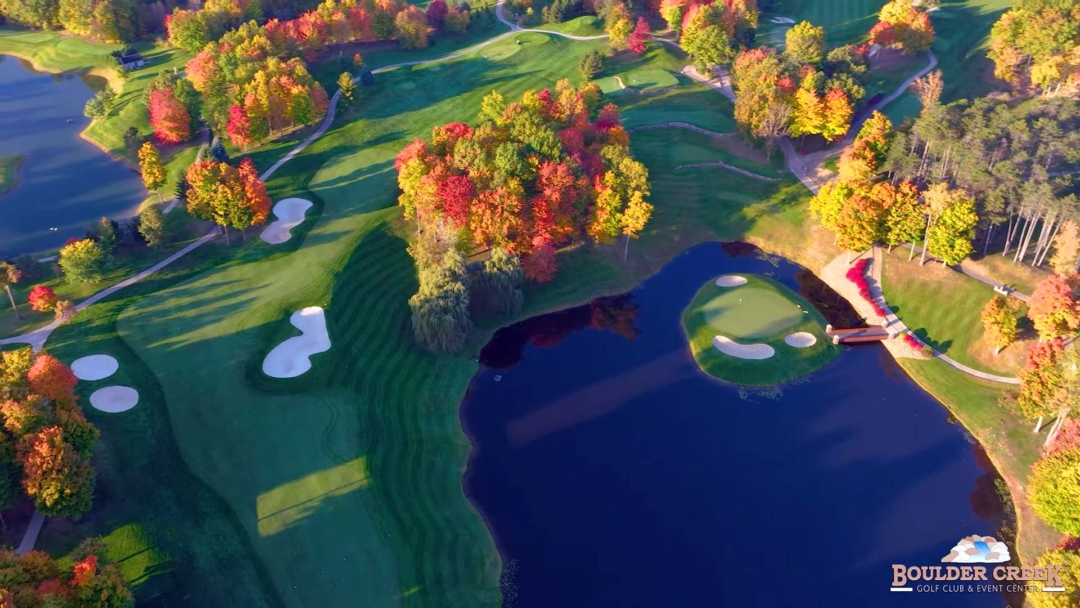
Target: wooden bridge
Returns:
[858, 334]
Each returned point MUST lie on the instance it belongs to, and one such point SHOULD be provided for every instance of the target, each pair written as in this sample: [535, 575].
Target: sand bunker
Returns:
[731, 280]
[292, 357]
[742, 351]
[94, 367]
[290, 213]
[800, 339]
[114, 399]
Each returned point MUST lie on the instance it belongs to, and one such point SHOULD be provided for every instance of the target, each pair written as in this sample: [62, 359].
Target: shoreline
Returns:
[19, 162]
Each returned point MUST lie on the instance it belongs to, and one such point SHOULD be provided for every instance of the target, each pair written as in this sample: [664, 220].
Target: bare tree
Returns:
[929, 88]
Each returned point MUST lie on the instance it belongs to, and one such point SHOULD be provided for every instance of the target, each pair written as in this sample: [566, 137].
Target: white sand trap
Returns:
[114, 399]
[783, 20]
[290, 213]
[292, 357]
[742, 351]
[94, 367]
[800, 339]
[731, 280]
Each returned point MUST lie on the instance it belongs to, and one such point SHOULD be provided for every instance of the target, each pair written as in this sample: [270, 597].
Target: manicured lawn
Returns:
[950, 324]
[1022, 277]
[9, 171]
[56, 52]
[760, 312]
[845, 21]
[963, 37]
[1009, 442]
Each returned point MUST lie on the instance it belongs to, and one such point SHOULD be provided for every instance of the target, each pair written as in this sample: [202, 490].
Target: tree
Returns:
[929, 88]
[228, 196]
[218, 151]
[51, 378]
[106, 235]
[440, 309]
[838, 114]
[999, 318]
[64, 311]
[131, 137]
[619, 24]
[436, 13]
[169, 117]
[808, 114]
[636, 42]
[98, 585]
[494, 287]
[703, 37]
[949, 238]
[153, 172]
[1066, 249]
[1041, 382]
[84, 261]
[1068, 558]
[9, 275]
[805, 44]
[347, 89]
[592, 65]
[1054, 308]
[60, 482]
[905, 223]
[412, 28]
[903, 25]
[1054, 490]
[42, 298]
[152, 225]
[239, 127]
[457, 20]
[540, 265]
[94, 108]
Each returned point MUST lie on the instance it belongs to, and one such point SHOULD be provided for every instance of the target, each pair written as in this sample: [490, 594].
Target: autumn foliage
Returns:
[52, 379]
[229, 196]
[169, 117]
[857, 275]
[42, 298]
[903, 25]
[1054, 308]
[88, 580]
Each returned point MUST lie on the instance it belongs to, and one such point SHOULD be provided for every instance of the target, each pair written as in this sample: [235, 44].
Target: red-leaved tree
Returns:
[1055, 306]
[169, 117]
[239, 127]
[42, 298]
[51, 378]
[638, 38]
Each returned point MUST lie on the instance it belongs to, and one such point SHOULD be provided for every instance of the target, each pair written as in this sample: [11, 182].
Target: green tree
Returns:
[1069, 558]
[1054, 490]
[84, 261]
[94, 108]
[805, 44]
[440, 309]
[592, 65]
[495, 286]
[949, 238]
[906, 221]
[131, 137]
[152, 225]
[106, 234]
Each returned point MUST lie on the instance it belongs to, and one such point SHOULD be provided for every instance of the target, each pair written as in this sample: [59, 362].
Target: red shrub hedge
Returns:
[856, 274]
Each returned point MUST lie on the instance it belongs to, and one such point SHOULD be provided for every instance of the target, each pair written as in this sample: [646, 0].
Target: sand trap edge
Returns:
[742, 351]
[730, 280]
[290, 213]
[292, 357]
[94, 367]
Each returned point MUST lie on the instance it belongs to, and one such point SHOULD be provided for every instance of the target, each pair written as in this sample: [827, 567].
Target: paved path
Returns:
[876, 262]
[32, 531]
[965, 268]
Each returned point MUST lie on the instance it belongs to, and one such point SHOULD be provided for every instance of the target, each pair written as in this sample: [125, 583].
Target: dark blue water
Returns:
[65, 182]
[612, 472]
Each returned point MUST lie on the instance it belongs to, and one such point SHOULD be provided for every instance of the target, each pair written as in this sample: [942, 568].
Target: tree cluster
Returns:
[712, 32]
[46, 442]
[84, 261]
[102, 20]
[1037, 42]
[905, 25]
[1017, 162]
[780, 94]
[84, 579]
[231, 197]
[532, 175]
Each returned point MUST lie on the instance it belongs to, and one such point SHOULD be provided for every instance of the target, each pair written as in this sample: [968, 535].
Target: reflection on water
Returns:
[66, 183]
[612, 472]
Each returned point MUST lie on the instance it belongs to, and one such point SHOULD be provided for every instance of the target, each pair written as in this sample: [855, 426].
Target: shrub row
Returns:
[856, 274]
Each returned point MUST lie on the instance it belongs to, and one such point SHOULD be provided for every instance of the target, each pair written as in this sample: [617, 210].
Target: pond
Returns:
[65, 183]
[612, 472]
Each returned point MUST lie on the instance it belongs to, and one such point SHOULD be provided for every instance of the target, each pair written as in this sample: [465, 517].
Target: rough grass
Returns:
[9, 171]
[776, 316]
[1009, 442]
[953, 325]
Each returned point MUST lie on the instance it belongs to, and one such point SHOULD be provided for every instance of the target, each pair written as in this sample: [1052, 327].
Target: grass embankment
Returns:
[760, 312]
[9, 171]
[950, 323]
[1008, 442]
[356, 466]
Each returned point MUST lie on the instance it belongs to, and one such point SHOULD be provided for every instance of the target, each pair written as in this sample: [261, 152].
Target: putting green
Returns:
[730, 330]
[751, 312]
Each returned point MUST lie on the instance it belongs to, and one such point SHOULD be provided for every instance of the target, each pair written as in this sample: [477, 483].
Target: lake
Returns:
[65, 182]
[612, 472]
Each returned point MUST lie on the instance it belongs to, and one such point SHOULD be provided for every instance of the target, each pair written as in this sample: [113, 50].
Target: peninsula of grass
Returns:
[9, 171]
[761, 311]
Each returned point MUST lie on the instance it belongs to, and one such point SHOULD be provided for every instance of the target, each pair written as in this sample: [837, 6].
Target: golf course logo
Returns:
[965, 578]
[978, 550]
